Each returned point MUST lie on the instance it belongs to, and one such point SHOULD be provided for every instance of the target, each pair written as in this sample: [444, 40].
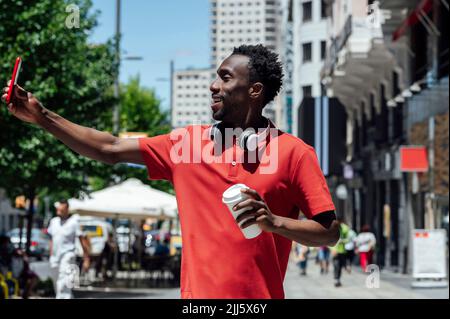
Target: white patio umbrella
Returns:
[129, 200]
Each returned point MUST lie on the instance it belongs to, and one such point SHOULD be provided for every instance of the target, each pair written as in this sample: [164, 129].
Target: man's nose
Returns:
[214, 87]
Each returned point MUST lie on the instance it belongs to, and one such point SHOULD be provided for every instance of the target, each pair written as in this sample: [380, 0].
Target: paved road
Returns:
[311, 286]
[317, 286]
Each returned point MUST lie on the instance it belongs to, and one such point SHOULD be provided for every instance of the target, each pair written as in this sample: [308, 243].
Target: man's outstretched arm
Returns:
[97, 145]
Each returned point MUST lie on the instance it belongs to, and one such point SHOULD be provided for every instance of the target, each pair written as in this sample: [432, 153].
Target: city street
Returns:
[316, 286]
[311, 286]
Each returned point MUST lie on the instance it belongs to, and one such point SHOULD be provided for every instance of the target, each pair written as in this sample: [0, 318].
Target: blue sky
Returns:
[158, 31]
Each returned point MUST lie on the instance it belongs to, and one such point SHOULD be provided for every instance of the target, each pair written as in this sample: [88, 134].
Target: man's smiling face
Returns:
[230, 91]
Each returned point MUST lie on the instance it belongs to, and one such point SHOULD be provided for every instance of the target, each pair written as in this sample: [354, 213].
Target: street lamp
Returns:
[116, 109]
[170, 80]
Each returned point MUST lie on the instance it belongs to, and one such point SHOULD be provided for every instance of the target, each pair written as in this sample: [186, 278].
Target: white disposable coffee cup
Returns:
[231, 197]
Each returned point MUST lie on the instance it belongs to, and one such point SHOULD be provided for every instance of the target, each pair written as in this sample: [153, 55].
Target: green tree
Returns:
[69, 75]
[139, 112]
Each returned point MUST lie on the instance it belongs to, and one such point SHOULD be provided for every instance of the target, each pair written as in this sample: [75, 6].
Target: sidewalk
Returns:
[317, 286]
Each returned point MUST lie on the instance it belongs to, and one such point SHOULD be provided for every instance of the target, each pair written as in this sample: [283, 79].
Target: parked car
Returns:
[40, 241]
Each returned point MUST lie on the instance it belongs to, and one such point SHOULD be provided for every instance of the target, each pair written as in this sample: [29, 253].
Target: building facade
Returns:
[191, 98]
[388, 65]
[309, 25]
[236, 22]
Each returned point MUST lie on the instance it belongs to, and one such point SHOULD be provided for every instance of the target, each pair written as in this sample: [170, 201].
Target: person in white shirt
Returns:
[365, 246]
[64, 229]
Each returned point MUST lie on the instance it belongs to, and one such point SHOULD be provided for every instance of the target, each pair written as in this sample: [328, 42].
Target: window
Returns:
[307, 91]
[307, 11]
[323, 9]
[323, 50]
[307, 52]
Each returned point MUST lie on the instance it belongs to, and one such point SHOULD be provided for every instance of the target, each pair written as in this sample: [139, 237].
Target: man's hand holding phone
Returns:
[21, 103]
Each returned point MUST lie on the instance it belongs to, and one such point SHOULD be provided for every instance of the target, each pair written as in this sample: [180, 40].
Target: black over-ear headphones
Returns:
[247, 140]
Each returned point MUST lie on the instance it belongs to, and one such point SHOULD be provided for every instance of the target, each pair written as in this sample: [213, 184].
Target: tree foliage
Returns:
[139, 112]
[70, 76]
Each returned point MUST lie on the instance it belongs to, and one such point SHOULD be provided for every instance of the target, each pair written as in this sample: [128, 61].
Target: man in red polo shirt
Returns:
[281, 171]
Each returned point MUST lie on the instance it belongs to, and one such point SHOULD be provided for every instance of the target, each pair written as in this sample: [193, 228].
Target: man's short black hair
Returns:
[64, 201]
[264, 67]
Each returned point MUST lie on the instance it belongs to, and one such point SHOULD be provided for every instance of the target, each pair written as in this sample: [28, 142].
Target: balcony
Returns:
[355, 58]
[356, 39]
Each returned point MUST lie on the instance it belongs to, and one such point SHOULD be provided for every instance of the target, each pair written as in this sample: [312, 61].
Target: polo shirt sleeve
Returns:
[310, 190]
[156, 153]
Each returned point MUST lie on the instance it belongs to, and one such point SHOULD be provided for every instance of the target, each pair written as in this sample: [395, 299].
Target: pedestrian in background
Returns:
[64, 230]
[105, 261]
[302, 253]
[350, 250]
[339, 253]
[323, 256]
[365, 246]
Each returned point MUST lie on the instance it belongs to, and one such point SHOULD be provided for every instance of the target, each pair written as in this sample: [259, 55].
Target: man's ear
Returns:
[256, 90]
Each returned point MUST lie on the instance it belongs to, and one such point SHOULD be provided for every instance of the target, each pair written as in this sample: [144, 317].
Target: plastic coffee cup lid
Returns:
[233, 193]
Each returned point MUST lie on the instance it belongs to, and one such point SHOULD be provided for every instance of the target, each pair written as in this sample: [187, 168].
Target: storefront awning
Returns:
[424, 6]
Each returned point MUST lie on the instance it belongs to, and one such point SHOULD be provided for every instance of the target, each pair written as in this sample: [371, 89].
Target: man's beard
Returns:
[221, 114]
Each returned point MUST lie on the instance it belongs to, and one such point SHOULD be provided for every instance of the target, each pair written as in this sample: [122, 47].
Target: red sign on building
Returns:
[413, 159]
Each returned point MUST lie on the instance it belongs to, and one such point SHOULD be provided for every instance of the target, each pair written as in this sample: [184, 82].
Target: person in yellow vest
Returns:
[339, 253]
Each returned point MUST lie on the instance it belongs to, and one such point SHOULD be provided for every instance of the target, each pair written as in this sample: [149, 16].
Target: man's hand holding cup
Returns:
[258, 213]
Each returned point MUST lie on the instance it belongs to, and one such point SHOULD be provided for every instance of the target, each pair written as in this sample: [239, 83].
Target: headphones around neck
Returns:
[248, 140]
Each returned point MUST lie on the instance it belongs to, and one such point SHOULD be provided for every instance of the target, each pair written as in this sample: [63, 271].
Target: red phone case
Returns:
[14, 78]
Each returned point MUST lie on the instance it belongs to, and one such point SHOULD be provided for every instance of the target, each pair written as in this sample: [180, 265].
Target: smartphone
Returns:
[14, 78]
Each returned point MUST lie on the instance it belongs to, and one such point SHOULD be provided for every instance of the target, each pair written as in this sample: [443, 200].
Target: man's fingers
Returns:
[245, 215]
[254, 220]
[248, 222]
[4, 97]
[21, 93]
[253, 214]
[11, 108]
[244, 203]
[249, 202]
[5, 89]
[8, 83]
[252, 193]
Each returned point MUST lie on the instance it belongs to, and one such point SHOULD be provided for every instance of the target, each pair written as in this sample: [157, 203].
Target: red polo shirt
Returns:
[217, 260]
